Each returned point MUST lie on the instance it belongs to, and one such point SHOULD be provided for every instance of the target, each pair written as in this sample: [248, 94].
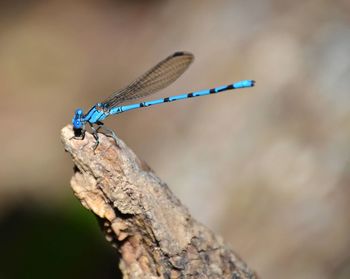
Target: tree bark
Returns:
[154, 233]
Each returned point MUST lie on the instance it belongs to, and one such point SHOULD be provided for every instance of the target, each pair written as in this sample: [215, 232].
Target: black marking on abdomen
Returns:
[221, 89]
[166, 100]
[212, 91]
[190, 95]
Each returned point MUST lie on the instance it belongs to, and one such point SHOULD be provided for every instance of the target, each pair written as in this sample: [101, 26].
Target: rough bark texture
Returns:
[154, 233]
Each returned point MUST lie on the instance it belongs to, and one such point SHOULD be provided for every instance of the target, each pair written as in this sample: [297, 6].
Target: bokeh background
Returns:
[267, 168]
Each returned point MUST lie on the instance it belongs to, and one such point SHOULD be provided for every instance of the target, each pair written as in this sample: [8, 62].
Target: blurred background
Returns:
[267, 168]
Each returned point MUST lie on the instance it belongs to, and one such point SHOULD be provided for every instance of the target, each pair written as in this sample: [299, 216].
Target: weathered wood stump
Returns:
[154, 233]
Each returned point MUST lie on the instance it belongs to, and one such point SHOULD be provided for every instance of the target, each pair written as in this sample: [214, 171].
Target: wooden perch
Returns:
[154, 233]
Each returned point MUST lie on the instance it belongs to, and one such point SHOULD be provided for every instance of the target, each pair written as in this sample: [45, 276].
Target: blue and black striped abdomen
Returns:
[215, 90]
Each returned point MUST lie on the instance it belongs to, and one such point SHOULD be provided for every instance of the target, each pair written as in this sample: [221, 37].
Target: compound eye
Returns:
[79, 112]
[77, 124]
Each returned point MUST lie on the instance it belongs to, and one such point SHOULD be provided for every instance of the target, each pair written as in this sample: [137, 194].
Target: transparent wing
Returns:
[157, 78]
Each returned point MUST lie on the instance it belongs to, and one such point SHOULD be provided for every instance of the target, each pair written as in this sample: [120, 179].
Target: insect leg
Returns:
[110, 133]
[94, 133]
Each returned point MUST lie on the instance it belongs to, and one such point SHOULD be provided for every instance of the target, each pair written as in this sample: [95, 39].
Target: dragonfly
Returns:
[158, 77]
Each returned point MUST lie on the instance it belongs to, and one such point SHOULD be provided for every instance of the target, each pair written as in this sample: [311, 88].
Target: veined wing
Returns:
[157, 78]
